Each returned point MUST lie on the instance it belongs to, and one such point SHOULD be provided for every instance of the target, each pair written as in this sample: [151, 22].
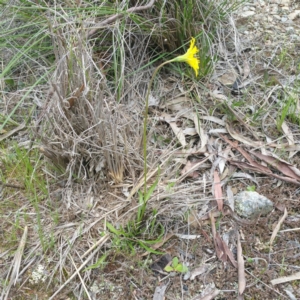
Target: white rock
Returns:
[251, 204]
[247, 14]
[294, 15]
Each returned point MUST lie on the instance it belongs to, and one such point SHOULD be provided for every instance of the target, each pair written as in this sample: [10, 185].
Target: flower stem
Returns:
[146, 121]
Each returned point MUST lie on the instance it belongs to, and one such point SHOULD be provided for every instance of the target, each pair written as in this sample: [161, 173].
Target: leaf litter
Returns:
[193, 183]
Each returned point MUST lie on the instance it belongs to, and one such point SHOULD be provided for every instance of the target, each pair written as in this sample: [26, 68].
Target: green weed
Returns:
[176, 266]
[251, 188]
[137, 232]
[24, 167]
[288, 110]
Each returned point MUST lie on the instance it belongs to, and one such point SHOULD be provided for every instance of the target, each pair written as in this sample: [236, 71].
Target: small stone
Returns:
[284, 19]
[251, 205]
[247, 14]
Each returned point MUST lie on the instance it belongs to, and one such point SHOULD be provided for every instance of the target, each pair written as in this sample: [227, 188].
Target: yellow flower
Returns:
[190, 57]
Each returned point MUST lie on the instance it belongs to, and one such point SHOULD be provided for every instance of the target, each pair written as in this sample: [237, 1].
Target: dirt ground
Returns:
[258, 66]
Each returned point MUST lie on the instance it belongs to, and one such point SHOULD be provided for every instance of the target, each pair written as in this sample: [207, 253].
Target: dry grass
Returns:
[87, 125]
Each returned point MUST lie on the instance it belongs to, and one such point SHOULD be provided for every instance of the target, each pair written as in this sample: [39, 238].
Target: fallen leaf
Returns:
[290, 294]
[178, 133]
[190, 166]
[288, 133]
[244, 175]
[216, 131]
[280, 165]
[229, 254]
[258, 144]
[241, 266]
[199, 128]
[276, 229]
[256, 167]
[188, 236]
[218, 95]
[172, 121]
[246, 166]
[198, 271]
[209, 296]
[238, 137]
[189, 131]
[230, 197]
[213, 119]
[280, 206]
[223, 155]
[284, 279]
[218, 191]
[220, 250]
[193, 168]
[159, 293]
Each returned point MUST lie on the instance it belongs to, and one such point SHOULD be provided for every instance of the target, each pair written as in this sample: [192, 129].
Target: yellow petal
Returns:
[190, 57]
